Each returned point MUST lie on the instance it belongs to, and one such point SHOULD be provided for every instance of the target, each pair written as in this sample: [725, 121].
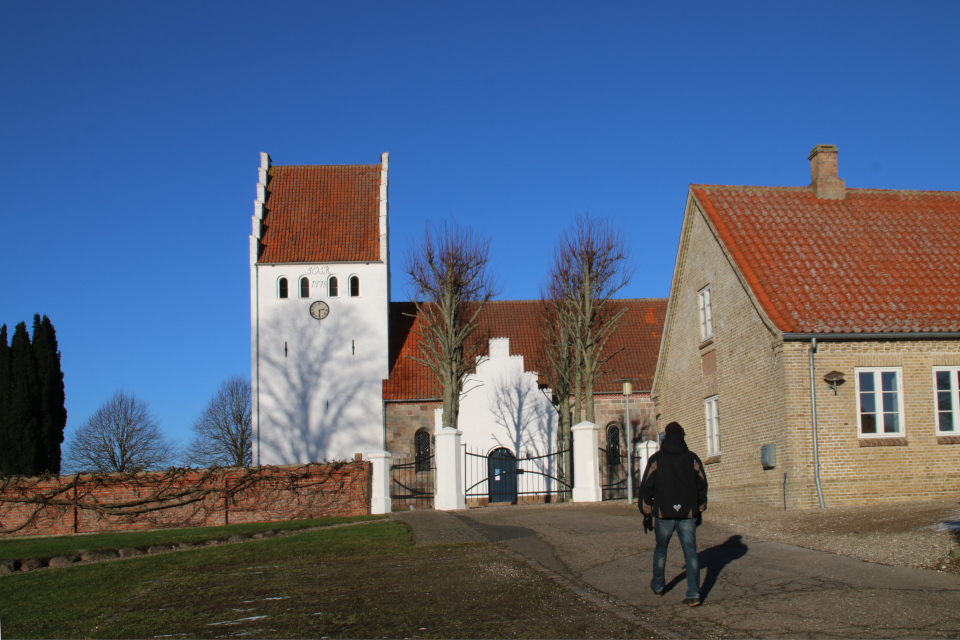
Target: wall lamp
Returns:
[833, 380]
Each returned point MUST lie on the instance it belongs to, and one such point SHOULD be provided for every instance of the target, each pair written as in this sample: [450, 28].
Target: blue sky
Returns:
[130, 134]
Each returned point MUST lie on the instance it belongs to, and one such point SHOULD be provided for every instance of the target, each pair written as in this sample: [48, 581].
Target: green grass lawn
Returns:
[355, 582]
[62, 545]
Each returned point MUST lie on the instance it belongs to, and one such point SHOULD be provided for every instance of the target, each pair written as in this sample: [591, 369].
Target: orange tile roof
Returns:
[637, 337]
[876, 261]
[321, 214]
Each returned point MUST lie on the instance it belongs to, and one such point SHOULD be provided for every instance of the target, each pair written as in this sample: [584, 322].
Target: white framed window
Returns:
[706, 313]
[333, 287]
[282, 288]
[879, 401]
[711, 414]
[946, 384]
[304, 287]
[354, 286]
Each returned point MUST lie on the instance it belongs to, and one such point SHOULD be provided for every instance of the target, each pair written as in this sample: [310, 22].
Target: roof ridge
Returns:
[732, 187]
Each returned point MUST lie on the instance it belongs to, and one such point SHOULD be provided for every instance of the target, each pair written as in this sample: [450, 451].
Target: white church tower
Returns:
[319, 305]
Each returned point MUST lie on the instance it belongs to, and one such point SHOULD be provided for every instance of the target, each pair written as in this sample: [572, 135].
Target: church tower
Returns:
[319, 306]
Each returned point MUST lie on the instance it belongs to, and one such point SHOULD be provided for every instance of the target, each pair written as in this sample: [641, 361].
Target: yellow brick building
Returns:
[811, 348]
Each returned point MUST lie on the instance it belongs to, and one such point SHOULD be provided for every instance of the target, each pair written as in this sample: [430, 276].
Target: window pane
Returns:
[304, 288]
[946, 422]
[354, 286]
[868, 403]
[891, 423]
[333, 288]
[868, 423]
[944, 402]
[943, 380]
[890, 402]
[888, 379]
[866, 381]
[283, 287]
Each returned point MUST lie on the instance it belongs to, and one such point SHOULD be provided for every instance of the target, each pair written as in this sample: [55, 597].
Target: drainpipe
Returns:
[813, 418]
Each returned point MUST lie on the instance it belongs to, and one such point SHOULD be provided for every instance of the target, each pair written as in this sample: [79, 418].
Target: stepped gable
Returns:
[864, 262]
[321, 214]
[637, 342]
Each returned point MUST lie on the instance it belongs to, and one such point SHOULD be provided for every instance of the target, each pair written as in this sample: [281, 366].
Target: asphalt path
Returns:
[750, 588]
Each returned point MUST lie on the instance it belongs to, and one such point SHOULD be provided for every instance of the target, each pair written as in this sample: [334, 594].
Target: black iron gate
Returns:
[613, 472]
[500, 476]
[413, 483]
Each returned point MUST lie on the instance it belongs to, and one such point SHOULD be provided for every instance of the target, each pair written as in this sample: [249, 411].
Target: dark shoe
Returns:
[657, 593]
[691, 602]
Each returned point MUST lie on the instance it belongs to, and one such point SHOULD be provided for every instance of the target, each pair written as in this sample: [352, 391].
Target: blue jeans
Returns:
[687, 534]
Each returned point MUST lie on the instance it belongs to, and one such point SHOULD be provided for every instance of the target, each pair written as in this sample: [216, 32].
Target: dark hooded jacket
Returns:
[674, 483]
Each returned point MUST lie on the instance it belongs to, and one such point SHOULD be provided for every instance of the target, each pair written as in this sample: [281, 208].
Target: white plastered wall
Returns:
[502, 406]
[318, 384]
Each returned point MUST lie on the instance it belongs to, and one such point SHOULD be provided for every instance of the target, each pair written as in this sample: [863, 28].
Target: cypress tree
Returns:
[24, 411]
[53, 413]
[7, 435]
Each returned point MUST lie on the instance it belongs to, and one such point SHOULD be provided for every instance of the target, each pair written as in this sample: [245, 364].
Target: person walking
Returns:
[674, 492]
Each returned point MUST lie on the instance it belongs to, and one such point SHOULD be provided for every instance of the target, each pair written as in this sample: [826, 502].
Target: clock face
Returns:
[319, 310]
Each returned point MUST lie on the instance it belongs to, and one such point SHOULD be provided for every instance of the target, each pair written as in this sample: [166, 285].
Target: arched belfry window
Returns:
[613, 445]
[333, 288]
[282, 288]
[421, 443]
[304, 287]
[354, 286]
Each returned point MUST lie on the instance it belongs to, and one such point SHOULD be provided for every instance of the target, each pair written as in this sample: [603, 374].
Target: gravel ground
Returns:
[918, 534]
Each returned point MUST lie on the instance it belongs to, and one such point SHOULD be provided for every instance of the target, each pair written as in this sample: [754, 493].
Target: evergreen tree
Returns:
[53, 413]
[8, 435]
[24, 413]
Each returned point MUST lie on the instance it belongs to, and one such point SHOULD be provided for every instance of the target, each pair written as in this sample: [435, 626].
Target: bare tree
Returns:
[223, 433]
[451, 284]
[590, 265]
[121, 436]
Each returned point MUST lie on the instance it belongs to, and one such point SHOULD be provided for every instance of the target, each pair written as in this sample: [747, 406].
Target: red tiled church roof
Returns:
[321, 214]
[875, 261]
[637, 338]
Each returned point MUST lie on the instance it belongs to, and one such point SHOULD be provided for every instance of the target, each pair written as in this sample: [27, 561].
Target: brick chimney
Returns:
[824, 180]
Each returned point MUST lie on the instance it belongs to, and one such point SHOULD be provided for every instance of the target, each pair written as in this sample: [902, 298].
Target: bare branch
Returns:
[451, 284]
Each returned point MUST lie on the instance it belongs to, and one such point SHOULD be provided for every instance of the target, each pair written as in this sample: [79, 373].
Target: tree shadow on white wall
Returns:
[309, 389]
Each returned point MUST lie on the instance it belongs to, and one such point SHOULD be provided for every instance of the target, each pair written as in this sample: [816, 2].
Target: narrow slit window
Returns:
[304, 287]
[354, 286]
[333, 288]
[282, 286]
[421, 443]
[613, 445]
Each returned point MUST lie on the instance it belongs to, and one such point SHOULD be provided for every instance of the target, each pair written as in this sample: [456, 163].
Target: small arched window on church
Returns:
[613, 445]
[282, 288]
[304, 287]
[421, 443]
[333, 287]
[354, 286]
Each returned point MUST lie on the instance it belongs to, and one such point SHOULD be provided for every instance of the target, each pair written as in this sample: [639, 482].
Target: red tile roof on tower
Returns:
[321, 214]
[637, 341]
[874, 261]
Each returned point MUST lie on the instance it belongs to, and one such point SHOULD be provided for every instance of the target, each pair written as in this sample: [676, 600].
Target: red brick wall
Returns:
[195, 498]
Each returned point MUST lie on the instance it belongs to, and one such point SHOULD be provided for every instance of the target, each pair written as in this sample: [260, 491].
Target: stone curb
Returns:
[28, 565]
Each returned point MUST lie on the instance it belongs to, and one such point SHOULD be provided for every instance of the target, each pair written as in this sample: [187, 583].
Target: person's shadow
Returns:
[713, 560]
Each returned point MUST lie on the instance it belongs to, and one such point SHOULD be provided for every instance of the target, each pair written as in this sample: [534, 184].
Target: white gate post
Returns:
[380, 494]
[586, 462]
[449, 493]
[644, 451]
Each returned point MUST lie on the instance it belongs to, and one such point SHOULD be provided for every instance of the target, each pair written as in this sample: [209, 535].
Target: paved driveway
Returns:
[750, 587]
